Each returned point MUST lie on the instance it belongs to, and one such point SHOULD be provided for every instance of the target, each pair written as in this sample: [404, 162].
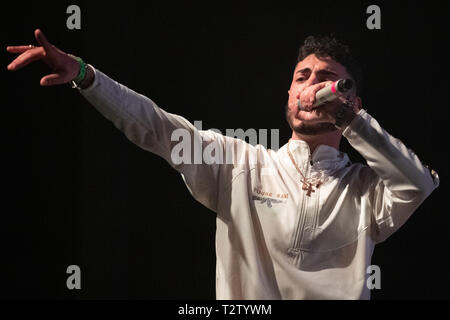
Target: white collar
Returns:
[324, 157]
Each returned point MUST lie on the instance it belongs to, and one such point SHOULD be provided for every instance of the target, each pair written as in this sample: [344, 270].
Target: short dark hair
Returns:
[328, 46]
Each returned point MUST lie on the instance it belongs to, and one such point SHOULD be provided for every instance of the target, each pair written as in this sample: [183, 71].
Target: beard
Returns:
[313, 129]
[308, 129]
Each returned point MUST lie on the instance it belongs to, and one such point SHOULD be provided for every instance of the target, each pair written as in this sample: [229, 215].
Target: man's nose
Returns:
[313, 79]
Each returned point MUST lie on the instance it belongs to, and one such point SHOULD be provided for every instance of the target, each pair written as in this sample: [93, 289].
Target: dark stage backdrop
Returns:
[77, 192]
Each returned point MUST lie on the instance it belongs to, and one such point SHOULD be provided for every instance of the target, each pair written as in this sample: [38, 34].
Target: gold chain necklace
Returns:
[307, 185]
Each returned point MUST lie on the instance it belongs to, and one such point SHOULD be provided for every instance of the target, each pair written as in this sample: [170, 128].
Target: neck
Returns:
[331, 139]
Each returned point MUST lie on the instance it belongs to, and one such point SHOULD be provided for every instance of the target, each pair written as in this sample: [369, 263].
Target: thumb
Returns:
[52, 79]
[42, 40]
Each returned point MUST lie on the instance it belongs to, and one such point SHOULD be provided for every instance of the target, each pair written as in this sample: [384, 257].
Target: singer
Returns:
[301, 222]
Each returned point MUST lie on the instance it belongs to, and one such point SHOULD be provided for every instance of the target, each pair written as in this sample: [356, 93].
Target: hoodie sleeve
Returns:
[162, 133]
[397, 182]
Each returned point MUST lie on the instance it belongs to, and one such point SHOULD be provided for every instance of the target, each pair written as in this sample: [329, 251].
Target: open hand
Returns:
[64, 67]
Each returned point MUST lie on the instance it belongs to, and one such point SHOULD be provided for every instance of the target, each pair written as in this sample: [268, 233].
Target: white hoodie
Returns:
[272, 240]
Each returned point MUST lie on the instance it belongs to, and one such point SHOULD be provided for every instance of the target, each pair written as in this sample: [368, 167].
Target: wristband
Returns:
[82, 74]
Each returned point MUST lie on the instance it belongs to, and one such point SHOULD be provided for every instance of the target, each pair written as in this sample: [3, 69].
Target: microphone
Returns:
[329, 93]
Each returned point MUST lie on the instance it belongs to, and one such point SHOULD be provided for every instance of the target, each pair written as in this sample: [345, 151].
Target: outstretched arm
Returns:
[138, 117]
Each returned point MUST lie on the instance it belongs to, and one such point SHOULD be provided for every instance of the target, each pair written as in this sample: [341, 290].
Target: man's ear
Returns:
[358, 102]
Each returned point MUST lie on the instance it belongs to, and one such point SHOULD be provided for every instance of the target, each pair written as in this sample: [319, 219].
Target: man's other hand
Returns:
[64, 67]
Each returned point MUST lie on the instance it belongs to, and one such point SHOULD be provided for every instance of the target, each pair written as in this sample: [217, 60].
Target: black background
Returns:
[76, 191]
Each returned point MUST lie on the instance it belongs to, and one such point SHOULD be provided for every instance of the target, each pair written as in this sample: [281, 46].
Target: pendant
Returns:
[308, 187]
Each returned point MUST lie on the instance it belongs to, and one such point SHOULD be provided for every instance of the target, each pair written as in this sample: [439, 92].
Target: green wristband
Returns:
[82, 74]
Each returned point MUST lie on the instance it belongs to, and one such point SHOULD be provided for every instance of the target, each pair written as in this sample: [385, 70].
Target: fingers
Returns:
[343, 99]
[307, 96]
[26, 58]
[52, 79]
[352, 101]
[41, 39]
[18, 49]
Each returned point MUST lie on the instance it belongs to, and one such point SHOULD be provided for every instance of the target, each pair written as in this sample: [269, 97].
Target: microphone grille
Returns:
[345, 85]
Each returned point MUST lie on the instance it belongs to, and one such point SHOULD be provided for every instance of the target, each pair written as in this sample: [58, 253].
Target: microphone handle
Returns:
[329, 93]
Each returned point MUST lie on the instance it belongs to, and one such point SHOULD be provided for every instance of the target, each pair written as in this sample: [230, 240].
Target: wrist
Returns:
[344, 116]
[88, 79]
[85, 75]
[81, 69]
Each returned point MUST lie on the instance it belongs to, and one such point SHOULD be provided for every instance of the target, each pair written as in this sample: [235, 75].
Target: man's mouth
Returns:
[307, 115]
[305, 111]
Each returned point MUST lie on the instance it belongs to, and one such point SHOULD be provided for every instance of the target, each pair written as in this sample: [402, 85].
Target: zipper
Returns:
[293, 247]
[316, 209]
[298, 235]
[303, 211]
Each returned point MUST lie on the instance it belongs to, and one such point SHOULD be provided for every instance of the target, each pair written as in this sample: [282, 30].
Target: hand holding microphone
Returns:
[329, 93]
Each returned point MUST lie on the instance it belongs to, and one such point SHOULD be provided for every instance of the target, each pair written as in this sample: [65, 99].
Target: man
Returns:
[298, 223]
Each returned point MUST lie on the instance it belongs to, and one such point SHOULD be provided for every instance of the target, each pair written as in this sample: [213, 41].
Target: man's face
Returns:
[310, 71]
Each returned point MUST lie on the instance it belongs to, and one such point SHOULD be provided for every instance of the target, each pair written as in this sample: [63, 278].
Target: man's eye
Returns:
[300, 79]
